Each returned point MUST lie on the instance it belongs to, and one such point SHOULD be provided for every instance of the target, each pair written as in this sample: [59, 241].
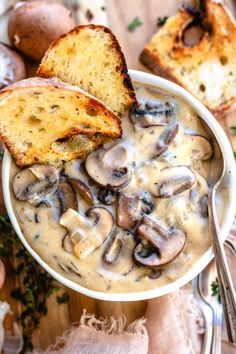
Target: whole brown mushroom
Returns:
[13, 67]
[34, 25]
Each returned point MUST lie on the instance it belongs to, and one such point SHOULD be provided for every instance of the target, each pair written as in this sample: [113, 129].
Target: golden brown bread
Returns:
[207, 68]
[37, 115]
[90, 57]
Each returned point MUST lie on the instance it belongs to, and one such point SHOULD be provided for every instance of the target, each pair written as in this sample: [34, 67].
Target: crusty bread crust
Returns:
[44, 153]
[46, 72]
[170, 57]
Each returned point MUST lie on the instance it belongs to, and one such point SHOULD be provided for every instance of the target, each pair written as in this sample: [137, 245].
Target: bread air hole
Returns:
[192, 35]
[223, 60]
[33, 120]
[202, 88]
[91, 112]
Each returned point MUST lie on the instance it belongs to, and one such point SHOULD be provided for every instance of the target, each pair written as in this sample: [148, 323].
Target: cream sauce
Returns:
[44, 233]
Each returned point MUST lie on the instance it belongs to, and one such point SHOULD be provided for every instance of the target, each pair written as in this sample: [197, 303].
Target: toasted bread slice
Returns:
[90, 57]
[207, 68]
[36, 115]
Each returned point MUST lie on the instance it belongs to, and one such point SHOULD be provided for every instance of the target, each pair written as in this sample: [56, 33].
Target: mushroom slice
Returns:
[172, 181]
[83, 189]
[166, 139]
[203, 206]
[118, 255]
[67, 244]
[201, 147]
[87, 232]
[107, 196]
[113, 249]
[158, 245]
[153, 113]
[35, 182]
[66, 196]
[106, 167]
[131, 209]
[103, 221]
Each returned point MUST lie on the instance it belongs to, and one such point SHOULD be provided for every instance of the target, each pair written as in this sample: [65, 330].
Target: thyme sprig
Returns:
[36, 284]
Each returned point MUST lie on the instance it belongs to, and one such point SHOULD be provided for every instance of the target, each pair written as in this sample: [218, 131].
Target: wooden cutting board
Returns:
[120, 14]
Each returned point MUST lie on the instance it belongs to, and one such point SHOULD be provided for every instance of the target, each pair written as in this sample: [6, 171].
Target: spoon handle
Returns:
[217, 322]
[227, 292]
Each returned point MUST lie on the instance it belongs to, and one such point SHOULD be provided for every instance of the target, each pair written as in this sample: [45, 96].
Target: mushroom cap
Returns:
[158, 245]
[118, 254]
[166, 138]
[35, 182]
[88, 232]
[153, 113]
[66, 196]
[131, 209]
[82, 188]
[103, 221]
[173, 180]
[201, 147]
[106, 167]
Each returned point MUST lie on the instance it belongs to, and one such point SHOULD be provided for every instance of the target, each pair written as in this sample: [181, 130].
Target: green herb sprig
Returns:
[161, 20]
[215, 291]
[37, 285]
[134, 24]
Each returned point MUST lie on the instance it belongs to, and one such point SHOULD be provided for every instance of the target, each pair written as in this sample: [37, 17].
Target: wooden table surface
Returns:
[120, 14]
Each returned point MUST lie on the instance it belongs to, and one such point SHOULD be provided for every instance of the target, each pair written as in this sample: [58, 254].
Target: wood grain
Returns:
[120, 14]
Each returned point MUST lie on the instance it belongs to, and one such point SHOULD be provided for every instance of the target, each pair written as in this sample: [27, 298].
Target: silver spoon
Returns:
[226, 287]
[208, 316]
[205, 279]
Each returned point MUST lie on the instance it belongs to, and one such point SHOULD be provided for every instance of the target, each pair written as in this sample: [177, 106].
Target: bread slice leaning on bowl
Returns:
[90, 57]
[38, 116]
[206, 68]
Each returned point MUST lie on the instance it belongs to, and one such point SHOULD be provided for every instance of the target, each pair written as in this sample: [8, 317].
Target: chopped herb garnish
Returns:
[215, 291]
[234, 130]
[235, 154]
[161, 20]
[36, 237]
[37, 284]
[63, 299]
[134, 24]
[103, 8]
[1, 155]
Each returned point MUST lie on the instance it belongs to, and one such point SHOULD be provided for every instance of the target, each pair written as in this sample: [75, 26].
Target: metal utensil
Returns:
[226, 287]
[208, 317]
[205, 280]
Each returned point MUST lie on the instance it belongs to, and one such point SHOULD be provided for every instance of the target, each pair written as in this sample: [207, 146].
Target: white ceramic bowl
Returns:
[229, 181]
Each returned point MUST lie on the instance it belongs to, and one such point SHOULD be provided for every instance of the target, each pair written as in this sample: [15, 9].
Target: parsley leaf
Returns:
[215, 291]
[63, 299]
[161, 20]
[134, 24]
[103, 8]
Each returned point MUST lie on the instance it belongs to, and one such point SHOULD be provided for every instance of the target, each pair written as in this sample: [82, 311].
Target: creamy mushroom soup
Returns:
[132, 215]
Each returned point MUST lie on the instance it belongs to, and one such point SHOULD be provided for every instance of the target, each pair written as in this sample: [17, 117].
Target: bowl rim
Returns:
[201, 263]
